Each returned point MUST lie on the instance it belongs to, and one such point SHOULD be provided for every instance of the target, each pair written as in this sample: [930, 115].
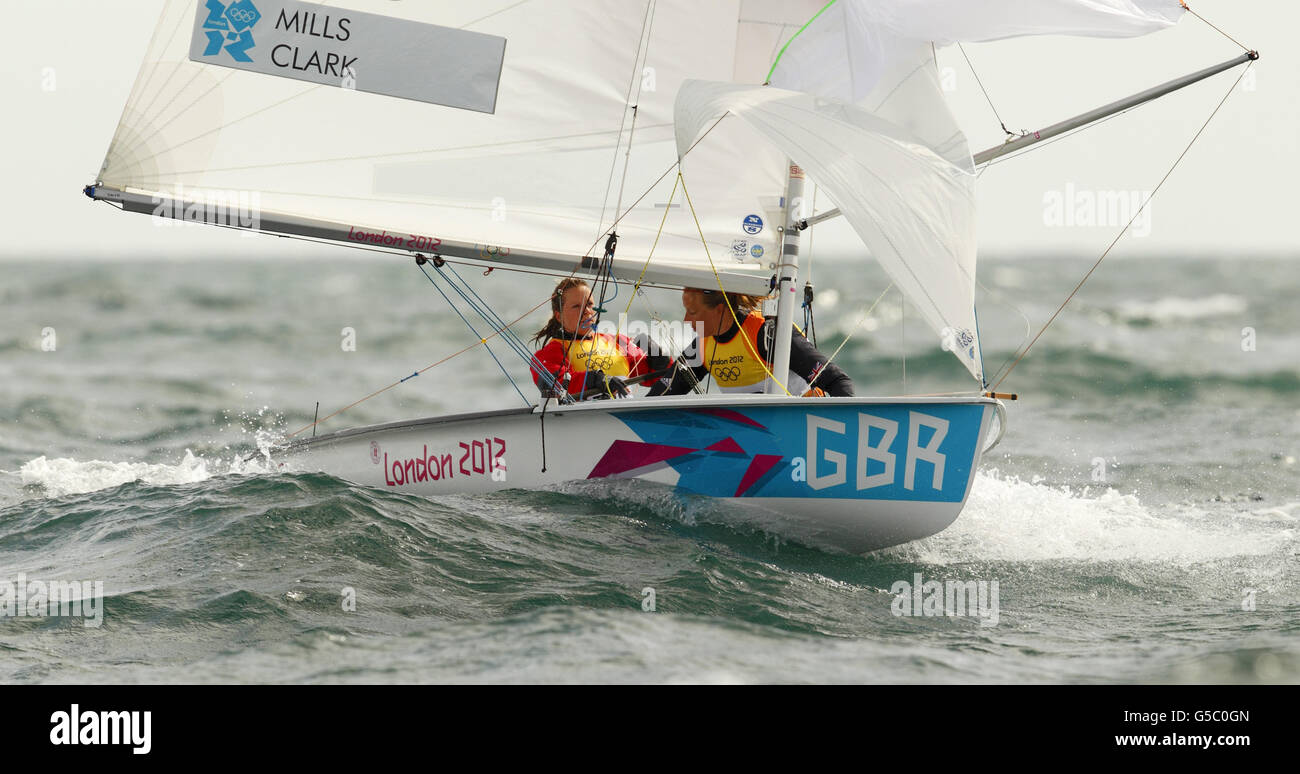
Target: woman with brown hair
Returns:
[738, 357]
[572, 348]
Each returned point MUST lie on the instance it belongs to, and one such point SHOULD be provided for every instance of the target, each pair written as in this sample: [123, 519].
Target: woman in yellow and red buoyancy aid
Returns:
[738, 358]
[591, 360]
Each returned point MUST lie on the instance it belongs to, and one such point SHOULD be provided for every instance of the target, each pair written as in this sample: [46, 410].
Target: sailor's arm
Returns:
[553, 360]
[817, 370]
[684, 378]
[809, 363]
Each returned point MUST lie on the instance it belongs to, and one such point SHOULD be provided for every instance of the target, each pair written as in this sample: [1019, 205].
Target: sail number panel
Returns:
[351, 50]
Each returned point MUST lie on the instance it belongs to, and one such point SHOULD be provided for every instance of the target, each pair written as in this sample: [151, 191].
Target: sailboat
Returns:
[656, 144]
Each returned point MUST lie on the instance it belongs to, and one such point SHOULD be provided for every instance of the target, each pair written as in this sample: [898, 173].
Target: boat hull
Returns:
[853, 474]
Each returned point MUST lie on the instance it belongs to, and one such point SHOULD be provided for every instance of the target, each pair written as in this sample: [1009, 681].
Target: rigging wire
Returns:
[989, 99]
[643, 44]
[382, 390]
[1029, 328]
[477, 335]
[636, 286]
[675, 165]
[637, 291]
[852, 332]
[1122, 231]
[648, 30]
[1216, 29]
[647, 192]
[484, 311]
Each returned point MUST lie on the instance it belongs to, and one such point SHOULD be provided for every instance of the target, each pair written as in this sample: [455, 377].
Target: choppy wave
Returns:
[197, 549]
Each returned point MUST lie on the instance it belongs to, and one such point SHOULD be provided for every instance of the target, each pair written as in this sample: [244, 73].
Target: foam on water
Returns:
[1173, 309]
[64, 476]
[1008, 519]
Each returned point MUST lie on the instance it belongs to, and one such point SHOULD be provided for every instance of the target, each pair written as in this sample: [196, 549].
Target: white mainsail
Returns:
[543, 172]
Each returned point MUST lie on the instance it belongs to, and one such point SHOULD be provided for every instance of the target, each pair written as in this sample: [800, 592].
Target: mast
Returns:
[787, 273]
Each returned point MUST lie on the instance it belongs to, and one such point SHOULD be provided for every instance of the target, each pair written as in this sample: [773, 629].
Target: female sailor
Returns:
[739, 359]
[591, 362]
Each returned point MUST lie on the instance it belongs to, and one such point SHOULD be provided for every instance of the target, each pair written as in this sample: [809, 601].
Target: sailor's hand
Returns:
[655, 359]
[609, 386]
[554, 388]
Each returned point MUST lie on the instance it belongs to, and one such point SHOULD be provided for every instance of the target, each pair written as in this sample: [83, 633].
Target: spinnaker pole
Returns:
[1105, 111]
[1083, 119]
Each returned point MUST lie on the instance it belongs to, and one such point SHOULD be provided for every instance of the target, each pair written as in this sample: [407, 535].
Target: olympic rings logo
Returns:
[726, 374]
[241, 15]
[600, 362]
[488, 252]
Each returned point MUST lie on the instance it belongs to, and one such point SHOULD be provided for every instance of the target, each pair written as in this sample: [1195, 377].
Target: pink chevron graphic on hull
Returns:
[623, 456]
[728, 414]
[728, 445]
[761, 465]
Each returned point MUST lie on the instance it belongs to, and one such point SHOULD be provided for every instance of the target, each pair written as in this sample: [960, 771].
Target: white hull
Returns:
[854, 474]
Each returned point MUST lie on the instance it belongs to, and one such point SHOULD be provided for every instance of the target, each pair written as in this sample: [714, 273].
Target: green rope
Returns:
[781, 53]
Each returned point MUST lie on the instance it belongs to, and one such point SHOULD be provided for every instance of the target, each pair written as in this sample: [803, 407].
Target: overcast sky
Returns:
[66, 78]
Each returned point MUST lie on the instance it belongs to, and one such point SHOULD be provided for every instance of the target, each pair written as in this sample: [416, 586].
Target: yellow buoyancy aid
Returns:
[598, 353]
[735, 365]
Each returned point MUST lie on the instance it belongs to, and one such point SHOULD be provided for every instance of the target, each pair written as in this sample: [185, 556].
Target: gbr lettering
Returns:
[828, 467]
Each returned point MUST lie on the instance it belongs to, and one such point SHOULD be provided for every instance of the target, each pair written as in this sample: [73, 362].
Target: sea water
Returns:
[1138, 522]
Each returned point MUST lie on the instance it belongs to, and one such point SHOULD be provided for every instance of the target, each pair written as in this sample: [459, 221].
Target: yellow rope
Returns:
[636, 286]
[739, 328]
[662, 221]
